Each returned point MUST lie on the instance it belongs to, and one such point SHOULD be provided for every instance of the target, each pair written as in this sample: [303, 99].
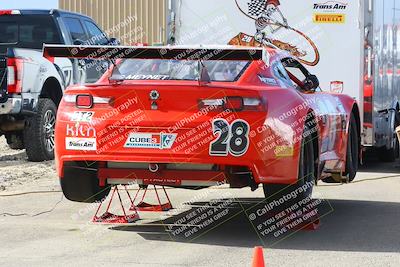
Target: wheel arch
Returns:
[52, 89]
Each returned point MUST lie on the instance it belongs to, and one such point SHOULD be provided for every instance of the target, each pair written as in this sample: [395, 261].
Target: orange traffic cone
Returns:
[258, 258]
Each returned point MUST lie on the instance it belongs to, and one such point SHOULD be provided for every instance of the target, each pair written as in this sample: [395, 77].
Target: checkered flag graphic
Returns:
[256, 7]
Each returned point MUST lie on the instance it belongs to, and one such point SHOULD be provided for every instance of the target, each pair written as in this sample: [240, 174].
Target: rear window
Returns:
[158, 69]
[28, 31]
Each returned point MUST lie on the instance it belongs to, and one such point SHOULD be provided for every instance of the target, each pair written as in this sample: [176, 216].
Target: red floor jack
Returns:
[144, 206]
[110, 218]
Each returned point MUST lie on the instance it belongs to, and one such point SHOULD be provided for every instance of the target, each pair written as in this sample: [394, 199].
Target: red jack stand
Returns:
[144, 206]
[110, 218]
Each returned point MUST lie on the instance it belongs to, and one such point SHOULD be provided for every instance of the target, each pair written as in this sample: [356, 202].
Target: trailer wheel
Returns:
[39, 132]
[390, 155]
[306, 176]
[80, 183]
[352, 160]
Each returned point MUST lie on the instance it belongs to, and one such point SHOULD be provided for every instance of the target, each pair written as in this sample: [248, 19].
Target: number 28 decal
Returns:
[231, 138]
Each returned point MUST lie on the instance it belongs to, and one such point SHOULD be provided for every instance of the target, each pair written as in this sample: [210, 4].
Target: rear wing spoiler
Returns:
[155, 52]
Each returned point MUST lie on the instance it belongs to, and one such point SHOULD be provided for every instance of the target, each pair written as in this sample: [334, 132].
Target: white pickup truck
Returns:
[31, 86]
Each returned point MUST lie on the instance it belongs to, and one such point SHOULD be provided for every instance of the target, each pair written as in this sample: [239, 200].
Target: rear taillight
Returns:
[86, 100]
[233, 103]
[10, 12]
[15, 71]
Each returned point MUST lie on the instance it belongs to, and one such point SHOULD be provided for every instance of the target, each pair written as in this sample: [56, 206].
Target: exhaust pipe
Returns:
[12, 126]
[153, 167]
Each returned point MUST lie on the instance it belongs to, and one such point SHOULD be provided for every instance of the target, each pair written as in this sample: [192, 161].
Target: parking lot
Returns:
[359, 225]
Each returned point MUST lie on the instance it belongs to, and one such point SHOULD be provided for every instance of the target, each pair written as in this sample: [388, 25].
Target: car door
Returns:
[327, 107]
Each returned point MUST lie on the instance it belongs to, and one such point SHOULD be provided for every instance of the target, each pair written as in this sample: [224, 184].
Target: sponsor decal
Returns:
[167, 182]
[330, 6]
[150, 140]
[82, 144]
[82, 116]
[145, 77]
[80, 130]
[268, 81]
[337, 87]
[330, 18]
[330, 12]
[284, 151]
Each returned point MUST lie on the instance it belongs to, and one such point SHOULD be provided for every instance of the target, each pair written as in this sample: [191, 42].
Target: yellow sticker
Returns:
[330, 18]
[284, 151]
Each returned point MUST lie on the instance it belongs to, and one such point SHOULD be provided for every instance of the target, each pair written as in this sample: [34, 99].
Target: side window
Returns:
[96, 36]
[76, 30]
[281, 74]
[297, 72]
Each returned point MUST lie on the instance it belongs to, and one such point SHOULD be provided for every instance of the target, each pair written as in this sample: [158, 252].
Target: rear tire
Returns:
[39, 132]
[353, 149]
[306, 176]
[80, 183]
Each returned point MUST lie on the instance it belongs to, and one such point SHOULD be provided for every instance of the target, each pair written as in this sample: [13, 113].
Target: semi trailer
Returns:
[353, 46]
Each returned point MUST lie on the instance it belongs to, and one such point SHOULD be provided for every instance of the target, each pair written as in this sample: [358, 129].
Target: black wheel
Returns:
[39, 132]
[391, 155]
[306, 176]
[80, 183]
[15, 141]
[353, 150]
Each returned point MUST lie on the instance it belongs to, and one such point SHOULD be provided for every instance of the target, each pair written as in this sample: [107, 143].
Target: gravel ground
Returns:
[18, 174]
[359, 226]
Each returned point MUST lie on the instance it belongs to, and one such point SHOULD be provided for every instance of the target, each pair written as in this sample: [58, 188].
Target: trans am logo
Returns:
[150, 140]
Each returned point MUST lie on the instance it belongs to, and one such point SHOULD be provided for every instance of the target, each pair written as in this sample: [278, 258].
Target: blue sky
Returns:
[28, 4]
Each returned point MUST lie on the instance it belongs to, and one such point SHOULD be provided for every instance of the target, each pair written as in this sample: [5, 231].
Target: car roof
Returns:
[49, 12]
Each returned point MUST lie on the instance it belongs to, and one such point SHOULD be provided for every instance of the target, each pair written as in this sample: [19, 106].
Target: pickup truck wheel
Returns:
[39, 132]
[80, 184]
[305, 180]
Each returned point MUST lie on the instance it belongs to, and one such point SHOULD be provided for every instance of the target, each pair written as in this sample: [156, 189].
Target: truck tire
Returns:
[353, 149]
[306, 176]
[39, 132]
[15, 141]
[80, 184]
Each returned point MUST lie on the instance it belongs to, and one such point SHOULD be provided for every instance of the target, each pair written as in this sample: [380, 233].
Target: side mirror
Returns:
[114, 41]
[311, 83]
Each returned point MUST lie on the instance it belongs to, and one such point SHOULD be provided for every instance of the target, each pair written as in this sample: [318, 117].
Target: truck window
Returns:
[76, 30]
[28, 31]
[96, 36]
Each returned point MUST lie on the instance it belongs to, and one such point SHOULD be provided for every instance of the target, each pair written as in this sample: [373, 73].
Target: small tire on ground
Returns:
[15, 141]
[353, 149]
[81, 184]
[306, 176]
[35, 132]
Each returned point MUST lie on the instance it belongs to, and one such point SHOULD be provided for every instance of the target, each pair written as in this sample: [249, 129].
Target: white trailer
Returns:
[353, 46]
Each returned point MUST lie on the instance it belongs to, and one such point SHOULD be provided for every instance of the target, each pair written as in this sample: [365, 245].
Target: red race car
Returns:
[198, 117]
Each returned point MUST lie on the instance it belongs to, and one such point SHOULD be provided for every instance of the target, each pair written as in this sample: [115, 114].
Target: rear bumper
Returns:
[12, 106]
[263, 170]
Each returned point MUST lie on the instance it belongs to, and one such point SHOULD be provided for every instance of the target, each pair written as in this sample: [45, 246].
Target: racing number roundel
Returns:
[231, 138]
